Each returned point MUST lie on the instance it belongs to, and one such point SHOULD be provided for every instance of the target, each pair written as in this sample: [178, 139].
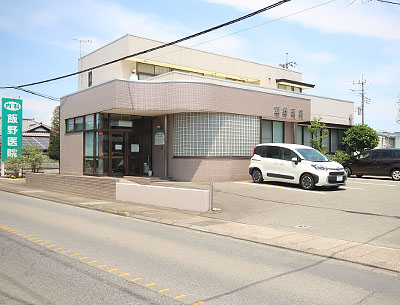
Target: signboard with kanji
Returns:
[11, 129]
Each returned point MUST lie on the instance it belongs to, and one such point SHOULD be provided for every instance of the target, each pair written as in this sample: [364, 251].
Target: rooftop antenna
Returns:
[288, 63]
[80, 44]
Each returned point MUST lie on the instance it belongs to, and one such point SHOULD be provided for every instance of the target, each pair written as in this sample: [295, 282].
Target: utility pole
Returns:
[363, 98]
[288, 63]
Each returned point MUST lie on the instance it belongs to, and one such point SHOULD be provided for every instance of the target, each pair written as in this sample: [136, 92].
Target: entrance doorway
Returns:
[118, 145]
[130, 144]
[127, 153]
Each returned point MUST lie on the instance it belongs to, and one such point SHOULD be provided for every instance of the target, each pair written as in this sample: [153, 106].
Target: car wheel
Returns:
[347, 170]
[257, 176]
[307, 182]
[359, 176]
[395, 174]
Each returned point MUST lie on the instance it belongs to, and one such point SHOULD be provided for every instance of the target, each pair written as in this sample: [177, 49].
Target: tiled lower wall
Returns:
[94, 187]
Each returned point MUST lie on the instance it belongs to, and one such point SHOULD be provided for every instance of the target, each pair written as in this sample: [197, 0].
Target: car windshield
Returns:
[311, 154]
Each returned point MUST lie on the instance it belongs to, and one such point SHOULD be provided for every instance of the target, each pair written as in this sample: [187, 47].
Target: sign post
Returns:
[11, 129]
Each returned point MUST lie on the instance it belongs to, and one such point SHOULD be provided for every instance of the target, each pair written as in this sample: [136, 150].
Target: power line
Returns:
[38, 94]
[390, 2]
[155, 48]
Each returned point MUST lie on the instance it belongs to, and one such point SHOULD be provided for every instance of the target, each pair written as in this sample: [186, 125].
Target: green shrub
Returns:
[340, 156]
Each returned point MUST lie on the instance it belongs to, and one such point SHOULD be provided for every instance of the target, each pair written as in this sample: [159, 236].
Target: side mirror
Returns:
[296, 160]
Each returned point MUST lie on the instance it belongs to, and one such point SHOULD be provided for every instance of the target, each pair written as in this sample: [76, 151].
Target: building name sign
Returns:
[11, 129]
[285, 112]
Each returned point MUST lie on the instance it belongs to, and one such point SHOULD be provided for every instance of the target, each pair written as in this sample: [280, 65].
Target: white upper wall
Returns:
[174, 55]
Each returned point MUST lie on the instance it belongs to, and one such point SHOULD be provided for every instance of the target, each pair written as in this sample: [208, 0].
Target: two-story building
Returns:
[184, 113]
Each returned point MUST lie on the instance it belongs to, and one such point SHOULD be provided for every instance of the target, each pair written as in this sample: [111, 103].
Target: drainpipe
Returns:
[166, 146]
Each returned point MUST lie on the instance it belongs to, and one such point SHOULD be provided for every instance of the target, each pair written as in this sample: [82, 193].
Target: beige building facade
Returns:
[184, 114]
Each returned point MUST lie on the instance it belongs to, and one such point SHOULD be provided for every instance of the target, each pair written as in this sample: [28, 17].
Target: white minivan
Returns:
[295, 163]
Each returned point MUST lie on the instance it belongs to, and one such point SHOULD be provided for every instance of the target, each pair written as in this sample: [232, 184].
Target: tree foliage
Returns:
[319, 133]
[33, 157]
[360, 137]
[14, 165]
[340, 156]
[54, 145]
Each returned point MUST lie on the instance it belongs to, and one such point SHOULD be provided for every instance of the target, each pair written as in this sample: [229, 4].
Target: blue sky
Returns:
[333, 44]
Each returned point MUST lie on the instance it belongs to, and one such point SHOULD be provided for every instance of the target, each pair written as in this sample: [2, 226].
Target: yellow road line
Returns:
[32, 238]
[92, 262]
[136, 279]
[180, 296]
[201, 302]
[101, 266]
[57, 249]
[164, 290]
[50, 246]
[27, 236]
[65, 252]
[124, 274]
[84, 257]
[74, 254]
[112, 270]
[36, 241]
[44, 243]
[151, 284]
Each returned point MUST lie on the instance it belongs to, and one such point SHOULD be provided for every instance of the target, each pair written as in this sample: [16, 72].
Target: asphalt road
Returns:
[59, 254]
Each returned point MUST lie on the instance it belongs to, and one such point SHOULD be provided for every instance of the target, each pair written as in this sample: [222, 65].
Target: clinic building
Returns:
[185, 114]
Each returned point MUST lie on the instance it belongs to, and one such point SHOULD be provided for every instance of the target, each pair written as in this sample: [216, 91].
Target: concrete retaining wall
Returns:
[94, 187]
[179, 198]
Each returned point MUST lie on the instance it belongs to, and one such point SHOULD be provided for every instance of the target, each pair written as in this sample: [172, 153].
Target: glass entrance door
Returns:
[117, 154]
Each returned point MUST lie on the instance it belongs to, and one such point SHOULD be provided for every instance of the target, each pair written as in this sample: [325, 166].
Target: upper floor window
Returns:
[90, 79]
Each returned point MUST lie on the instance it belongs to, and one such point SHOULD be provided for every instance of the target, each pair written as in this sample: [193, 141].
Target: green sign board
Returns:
[11, 129]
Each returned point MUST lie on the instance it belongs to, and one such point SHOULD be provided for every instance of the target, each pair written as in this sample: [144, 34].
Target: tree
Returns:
[360, 137]
[14, 165]
[33, 157]
[319, 133]
[54, 145]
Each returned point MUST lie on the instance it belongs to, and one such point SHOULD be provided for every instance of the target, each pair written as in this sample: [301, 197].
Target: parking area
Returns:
[366, 210]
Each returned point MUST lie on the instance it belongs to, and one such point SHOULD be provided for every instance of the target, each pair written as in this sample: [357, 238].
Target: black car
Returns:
[375, 162]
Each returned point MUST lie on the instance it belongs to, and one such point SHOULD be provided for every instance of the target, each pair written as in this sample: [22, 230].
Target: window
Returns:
[288, 154]
[161, 70]
[90, 79]
[215, 134]
[261, 151]
[277, 128]
[89, 152]
[79, 123]
[145, 68]
[266, 131]
[273, 152]
[89, 122]
[334, 140]
[396, 154]
[300, 135]
[272, 131]
[70, 125]
[363, 155]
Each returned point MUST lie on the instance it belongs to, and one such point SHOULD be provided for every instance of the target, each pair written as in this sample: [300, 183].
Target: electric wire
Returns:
[155, 48]
[249, 28]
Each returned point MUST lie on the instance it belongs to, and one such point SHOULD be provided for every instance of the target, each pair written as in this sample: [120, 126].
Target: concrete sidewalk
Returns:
[361, 253]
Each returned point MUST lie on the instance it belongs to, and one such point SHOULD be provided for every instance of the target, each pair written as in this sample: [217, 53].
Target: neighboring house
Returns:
[386, 139]
[185, 113]
[34, 134]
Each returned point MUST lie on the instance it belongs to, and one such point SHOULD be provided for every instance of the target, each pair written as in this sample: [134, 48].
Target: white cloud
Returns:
[372, 19]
